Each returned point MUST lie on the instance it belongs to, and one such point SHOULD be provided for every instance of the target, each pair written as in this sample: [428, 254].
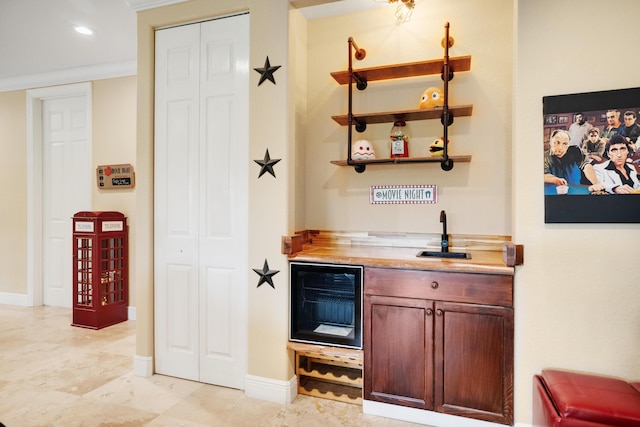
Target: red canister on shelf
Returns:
[399, 139]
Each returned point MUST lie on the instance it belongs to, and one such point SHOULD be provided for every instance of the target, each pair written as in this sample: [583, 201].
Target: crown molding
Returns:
[139, 5]
[70, 75]
[298, 4]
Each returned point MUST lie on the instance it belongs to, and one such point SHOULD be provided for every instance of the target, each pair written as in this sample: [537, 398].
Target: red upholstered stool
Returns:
[570, 399]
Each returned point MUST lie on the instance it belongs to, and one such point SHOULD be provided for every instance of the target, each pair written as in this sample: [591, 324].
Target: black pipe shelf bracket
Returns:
[361, 77]
[361, 82]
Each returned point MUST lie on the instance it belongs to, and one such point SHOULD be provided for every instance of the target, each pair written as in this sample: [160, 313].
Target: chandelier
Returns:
[404, 9]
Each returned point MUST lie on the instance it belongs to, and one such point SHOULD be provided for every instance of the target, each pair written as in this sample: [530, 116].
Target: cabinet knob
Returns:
[439, 312]
[434, 285]
[429, 312]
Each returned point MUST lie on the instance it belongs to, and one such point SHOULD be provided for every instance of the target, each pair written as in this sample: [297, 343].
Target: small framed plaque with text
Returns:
[403, 194]
[115, 177]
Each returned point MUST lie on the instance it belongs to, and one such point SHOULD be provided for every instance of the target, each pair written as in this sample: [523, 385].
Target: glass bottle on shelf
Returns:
[399, 139]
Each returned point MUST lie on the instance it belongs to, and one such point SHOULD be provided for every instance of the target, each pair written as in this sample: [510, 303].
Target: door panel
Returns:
[399, 324]
[224, 195]
[180, 322]
[201, 197]
[181, 150]
[179, 309]
[66, 187]
[217, 168]
[474, 360]
[175, 210]
[218, 312]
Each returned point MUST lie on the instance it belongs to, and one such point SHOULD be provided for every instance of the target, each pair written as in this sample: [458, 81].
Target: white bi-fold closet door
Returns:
[201, 201]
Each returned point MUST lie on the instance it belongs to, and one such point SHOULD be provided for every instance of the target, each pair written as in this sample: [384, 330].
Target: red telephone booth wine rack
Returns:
[100, 269]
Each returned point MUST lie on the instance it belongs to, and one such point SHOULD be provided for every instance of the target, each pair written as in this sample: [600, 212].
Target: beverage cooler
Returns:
[326, 304]
[100, 269]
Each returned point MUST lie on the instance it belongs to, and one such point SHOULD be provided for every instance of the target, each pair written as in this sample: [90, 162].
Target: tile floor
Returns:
[54, 374]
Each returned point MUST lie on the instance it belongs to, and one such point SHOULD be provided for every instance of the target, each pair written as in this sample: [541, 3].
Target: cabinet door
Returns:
[398, 348]
[474, 361]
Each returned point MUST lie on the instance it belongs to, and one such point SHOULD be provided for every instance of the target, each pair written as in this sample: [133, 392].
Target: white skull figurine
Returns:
[362, 150]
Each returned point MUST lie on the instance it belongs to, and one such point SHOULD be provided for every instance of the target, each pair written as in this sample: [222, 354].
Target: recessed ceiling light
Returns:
[83, 30]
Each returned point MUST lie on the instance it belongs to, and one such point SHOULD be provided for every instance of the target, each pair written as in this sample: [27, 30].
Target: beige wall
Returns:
[298, 59]
[114, 118]
[476, 195]
[114, 142]
[577, 296]
[13, 188]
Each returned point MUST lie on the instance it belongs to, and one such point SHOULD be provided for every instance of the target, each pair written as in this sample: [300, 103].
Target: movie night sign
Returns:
[403, 194]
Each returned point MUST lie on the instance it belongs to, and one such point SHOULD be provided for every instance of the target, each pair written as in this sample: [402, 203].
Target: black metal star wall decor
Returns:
[266, 164]
[266, 72]
[266, 275]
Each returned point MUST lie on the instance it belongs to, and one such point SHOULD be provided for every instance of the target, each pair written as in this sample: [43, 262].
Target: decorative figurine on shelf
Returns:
[433, 97]
[362, 150]
[399, 140]
[436, 148]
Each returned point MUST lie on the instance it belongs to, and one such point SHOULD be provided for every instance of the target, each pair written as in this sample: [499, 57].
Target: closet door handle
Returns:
[439, 312]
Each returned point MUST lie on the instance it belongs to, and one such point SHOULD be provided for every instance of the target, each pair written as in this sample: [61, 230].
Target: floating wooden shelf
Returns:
[410, 69]
[403, 160]
[407, 115]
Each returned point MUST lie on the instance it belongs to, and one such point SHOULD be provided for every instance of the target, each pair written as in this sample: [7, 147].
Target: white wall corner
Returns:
[142, 366]
[272, 390]
[293, 388]
[131, 313]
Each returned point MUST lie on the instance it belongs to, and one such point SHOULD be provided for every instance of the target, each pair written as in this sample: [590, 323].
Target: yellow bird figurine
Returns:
[433, 97]
[436, 149]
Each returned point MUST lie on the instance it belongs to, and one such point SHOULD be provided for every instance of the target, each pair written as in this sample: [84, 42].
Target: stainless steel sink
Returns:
[434, 254]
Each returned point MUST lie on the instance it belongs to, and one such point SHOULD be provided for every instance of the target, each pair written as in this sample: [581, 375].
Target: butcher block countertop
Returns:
[489, 254]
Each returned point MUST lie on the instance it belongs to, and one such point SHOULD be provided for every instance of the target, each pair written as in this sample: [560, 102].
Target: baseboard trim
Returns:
[271, 390]
[7, 298]
[419, 416]
[142, 366]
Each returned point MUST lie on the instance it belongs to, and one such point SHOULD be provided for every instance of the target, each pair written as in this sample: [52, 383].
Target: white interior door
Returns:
[201, 201]
[66, 190]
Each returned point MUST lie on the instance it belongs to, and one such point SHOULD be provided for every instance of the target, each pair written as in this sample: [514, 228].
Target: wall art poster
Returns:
[592, 157]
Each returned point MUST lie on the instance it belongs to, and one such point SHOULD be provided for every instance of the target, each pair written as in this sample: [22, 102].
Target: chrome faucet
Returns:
[444, 241]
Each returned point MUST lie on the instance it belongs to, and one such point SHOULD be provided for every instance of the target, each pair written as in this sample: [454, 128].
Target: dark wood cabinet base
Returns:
[453, 356]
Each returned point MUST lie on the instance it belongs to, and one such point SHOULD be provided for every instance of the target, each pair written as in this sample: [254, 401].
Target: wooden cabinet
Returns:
[398, 351]
[473, 356]
[440, 341]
